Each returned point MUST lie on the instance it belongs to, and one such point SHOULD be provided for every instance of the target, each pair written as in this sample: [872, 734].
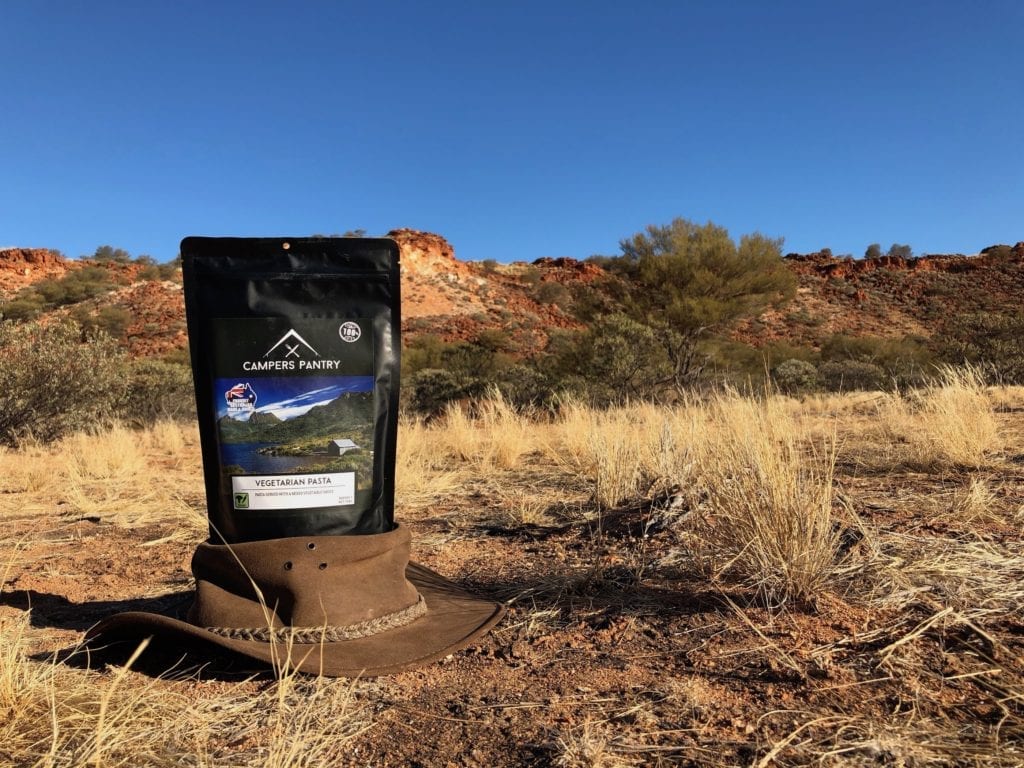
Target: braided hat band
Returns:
[326, 634]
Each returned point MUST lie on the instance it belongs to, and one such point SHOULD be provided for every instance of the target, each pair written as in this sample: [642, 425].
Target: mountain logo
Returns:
[292, 350]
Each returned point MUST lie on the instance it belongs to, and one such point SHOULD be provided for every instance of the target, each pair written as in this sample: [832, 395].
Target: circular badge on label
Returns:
[349, 331]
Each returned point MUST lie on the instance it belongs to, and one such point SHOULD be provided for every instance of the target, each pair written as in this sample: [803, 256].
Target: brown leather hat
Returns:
[331, 605]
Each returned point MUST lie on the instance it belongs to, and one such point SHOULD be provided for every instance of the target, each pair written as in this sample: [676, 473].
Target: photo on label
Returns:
[272, 425]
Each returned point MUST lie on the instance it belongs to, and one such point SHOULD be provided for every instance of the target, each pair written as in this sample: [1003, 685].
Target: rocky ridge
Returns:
[456, 299]
[20, 267]
[888, 296]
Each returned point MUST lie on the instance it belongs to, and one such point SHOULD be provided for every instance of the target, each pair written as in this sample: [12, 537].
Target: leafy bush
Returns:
[171, 270]
[994, 340]
[74, 287]
[158, 390]
[849, 375]
[617, 359]
[904, 361]
[431, 389]
[113, 321]
[423, 351]
[795, 377]
[523, 386]
[25, 306]
[552, 292]
[51, 383]
[107, 253]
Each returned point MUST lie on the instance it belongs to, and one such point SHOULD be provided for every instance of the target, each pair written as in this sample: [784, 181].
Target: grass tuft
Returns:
[763, 503]
[948, 424]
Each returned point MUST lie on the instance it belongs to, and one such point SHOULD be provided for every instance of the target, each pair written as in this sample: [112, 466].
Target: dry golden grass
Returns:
[496, 438]
[763, 506]
[26, 472]
[946, 425]
[628, 452]
[833, 404]
[1006, 398]
[127, 477]
[55, 715]
[423, 472]
[753, 490]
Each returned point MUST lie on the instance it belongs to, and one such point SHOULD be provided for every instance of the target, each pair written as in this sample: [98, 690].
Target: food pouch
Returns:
[295, 358]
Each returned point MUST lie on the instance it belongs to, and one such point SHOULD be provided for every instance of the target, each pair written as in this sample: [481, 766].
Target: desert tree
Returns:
[686, 281]
[900, 251]
[108, 253]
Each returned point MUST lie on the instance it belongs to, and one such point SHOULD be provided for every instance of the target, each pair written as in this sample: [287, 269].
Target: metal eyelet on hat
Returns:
[288, 565]
[311, 545]
[322, 566]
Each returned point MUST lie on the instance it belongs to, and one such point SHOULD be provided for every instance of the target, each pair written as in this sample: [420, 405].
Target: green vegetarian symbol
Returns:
[241, 501]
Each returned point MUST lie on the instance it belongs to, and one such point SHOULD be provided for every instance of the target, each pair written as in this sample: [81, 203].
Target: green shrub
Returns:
[531, 275]
[157, 390]
[687, 281]
[108, 253]
[904, 360]
[171, 270]
[180, 356]
[26, 306]
[526, 387]
[994, 340]
[113, 321]
[52, 383]
[849, 375]
[617, 358]
[76, 286]
[552, 292]
[423, 351]
[795, 377]
[431, 389]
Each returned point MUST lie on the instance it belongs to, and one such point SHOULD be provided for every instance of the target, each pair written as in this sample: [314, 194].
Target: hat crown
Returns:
[308, 582]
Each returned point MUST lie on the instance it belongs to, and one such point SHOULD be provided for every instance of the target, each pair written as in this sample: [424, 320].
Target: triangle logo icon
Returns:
[292, 350]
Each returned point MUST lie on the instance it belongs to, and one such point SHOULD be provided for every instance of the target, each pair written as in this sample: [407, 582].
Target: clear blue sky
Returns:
[516, 130]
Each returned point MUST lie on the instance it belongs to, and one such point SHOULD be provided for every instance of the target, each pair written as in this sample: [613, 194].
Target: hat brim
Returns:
[453, 620]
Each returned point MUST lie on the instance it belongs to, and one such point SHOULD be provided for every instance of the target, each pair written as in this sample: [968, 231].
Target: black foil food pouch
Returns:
[295, 357]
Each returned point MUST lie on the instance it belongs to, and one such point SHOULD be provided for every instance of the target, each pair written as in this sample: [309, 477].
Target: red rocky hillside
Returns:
[457, 299]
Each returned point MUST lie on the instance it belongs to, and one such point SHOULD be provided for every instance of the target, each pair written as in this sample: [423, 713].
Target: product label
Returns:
[294, 410]
[293, 491]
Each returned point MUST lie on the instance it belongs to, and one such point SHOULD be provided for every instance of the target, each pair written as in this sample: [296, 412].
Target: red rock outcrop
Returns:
[30, 256]
[564, 269]
[434, 282]
[23, 266]
[827, 265]
[424, 253]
